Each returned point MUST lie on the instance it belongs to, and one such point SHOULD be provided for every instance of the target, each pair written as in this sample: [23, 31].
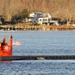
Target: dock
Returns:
[39, 57]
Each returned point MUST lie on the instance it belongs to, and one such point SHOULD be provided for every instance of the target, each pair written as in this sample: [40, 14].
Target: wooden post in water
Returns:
[10, 42]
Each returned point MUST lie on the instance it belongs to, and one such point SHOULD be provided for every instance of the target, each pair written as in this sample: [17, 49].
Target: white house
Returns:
[45, 19]
[41, 18]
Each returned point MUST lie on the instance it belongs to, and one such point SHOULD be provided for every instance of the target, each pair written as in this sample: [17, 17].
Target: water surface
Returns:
[41, 43]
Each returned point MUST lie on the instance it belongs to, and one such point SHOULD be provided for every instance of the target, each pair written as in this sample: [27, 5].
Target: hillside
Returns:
[57, 8]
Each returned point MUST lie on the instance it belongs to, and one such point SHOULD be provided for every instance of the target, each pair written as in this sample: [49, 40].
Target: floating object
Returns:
[6, 48]
[16, 43]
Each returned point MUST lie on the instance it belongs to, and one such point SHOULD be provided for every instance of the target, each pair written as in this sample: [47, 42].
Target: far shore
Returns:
[36, 27]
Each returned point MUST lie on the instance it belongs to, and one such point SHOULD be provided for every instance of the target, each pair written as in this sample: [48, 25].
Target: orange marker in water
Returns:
[6, 48]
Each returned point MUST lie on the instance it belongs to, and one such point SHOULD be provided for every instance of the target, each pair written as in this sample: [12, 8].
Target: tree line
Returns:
[19, 17]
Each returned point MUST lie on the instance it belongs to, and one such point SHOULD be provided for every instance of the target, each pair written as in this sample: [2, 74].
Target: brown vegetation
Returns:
[63, 9]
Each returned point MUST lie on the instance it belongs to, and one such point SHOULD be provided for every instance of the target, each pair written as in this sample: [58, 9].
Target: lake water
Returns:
[41, 43]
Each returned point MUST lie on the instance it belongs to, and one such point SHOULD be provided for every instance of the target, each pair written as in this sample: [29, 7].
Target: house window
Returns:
[44, 19]
[40, 19]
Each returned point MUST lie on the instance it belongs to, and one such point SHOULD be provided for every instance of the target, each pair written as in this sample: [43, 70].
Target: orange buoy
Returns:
[6, 48]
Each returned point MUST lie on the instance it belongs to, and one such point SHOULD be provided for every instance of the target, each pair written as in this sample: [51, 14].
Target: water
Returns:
[41, 43]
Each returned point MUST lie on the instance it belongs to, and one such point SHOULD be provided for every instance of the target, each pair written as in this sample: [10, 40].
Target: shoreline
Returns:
[23, 27]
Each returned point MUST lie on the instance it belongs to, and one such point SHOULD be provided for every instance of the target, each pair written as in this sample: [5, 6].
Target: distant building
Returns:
[41, 18]
[45, 19]
[33, 17]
